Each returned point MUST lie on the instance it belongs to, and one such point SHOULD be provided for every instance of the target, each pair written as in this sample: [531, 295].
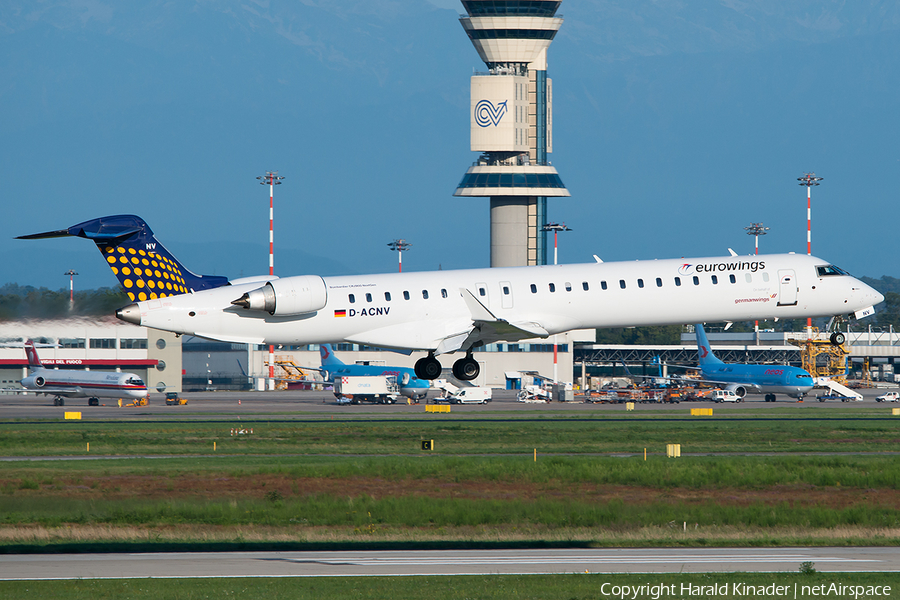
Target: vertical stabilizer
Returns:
[144, 267]
[33, 361]
[704, 351]
[328, 357]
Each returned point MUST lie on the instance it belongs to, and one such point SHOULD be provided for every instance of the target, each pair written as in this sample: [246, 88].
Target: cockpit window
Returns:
[829, 270]
[804, 376]
[134, 381]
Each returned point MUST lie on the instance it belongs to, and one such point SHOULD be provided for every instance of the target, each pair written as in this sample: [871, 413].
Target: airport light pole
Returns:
[400, 246]
[756, 230]
[555, 228]
[809, 180]
[272, 179]
[71, 275]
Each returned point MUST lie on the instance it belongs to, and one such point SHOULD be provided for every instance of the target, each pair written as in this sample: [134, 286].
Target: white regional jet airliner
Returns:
[443, 312]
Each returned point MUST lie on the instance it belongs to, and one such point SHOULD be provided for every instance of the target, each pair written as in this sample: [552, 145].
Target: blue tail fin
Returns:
[138, 260]
[704, 351]
[328, 357]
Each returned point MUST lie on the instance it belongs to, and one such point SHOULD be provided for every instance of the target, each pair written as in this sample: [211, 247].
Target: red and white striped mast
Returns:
[272, 179]
[400, 246]
[809, 180]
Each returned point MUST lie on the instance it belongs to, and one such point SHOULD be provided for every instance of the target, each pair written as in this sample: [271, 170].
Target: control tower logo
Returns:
[486, 114]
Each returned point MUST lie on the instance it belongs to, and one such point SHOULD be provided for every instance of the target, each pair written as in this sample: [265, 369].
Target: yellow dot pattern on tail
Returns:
[146, 275]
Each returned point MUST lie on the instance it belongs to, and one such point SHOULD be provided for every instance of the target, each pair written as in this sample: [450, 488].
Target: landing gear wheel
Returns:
[838, 338]
[59, 402]
[428, 368]
[93, 402]
[466, 369]
[770, 397]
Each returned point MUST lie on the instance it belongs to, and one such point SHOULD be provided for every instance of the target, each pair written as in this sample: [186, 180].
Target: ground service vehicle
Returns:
[366, 388]
[888, 397]
[172, 399]
[725, 396]
[470, 395]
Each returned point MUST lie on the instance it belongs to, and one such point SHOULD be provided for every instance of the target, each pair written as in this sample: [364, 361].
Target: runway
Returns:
[439, 562]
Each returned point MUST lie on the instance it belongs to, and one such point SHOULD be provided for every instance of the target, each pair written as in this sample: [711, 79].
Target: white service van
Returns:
[725, 396]
[471, 395]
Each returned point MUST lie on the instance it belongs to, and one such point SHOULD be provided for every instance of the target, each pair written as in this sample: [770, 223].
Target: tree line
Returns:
[27, 302]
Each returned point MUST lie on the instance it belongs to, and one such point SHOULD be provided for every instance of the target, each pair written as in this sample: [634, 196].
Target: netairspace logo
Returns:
[742, 590]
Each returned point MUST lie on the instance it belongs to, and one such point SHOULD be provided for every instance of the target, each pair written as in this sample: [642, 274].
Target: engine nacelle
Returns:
[287, 296]
[739, 390]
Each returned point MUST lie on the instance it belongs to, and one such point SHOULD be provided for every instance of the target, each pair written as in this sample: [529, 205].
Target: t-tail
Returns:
[33, 361]
[704, 351]
[144, 267]
[328, 357]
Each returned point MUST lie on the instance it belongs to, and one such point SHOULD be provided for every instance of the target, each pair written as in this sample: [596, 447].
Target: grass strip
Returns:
[585, 586]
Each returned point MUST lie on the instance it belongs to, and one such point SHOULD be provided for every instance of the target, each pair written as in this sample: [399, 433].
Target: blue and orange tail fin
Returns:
[33, 361]
[704, 350]
[144, 267]
[326, 352]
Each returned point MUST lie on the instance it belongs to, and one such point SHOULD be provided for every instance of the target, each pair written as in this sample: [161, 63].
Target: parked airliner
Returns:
[443, 312]
[62, 384]
[751, 378]
[410, 385]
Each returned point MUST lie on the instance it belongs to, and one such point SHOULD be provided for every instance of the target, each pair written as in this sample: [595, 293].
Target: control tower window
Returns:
[528, 8]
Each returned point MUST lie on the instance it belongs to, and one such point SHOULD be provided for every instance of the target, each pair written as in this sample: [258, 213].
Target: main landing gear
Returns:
[770, 397]
[59, 401]
[428, 367]
[464, 369]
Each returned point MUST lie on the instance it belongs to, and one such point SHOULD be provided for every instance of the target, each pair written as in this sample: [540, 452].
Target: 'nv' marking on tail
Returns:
[144, 267]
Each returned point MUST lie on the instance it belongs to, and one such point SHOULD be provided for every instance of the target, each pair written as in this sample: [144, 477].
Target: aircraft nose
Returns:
[130, 313]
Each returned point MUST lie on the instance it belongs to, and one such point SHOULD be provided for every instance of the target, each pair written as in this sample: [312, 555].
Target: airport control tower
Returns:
[511, 124]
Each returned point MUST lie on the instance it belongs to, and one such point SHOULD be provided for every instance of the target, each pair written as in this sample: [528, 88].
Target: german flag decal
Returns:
[340, 313]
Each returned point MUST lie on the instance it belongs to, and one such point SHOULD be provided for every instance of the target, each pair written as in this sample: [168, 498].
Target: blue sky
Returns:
[675, 126]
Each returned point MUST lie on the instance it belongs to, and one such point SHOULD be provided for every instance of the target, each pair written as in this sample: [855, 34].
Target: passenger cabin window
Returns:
[765, 276]
[351, 298]
[677, 281]
[568, 287]
[748, 277]
[506, 290]
[828, 270]
[387, 296]
[622, 283]
[732, 278]
[715, 279]
[368, 297]
[443, 293]
[533, 289]
[405, 295]
[696, 280]
[640, 283]
[659, 282]
[482, 291]
[602, 285]
[425, 294]
[584, 285]
[552, 287]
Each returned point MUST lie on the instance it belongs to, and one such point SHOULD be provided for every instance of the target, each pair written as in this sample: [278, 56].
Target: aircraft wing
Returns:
[64, 392]
[451, 335]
